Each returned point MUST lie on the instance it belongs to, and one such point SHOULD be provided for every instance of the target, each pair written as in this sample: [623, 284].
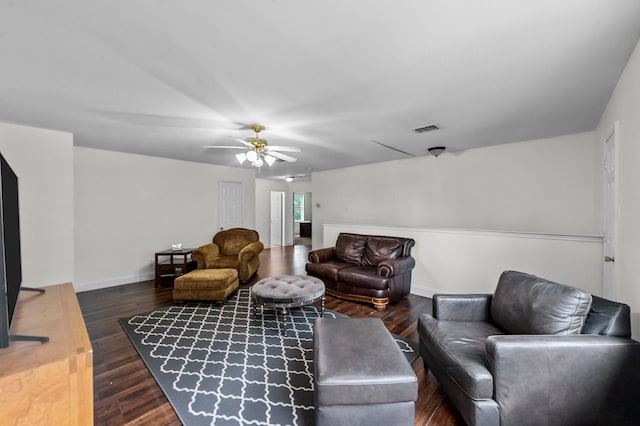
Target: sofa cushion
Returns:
[378, 249]
[364, 276]
[231, 241]
[459, 347]
[222, 262]
[526, 304]
[608, 318]
[350, 247]
[327, 270]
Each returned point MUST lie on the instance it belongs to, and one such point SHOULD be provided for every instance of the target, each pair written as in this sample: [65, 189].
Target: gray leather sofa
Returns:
[534, 352]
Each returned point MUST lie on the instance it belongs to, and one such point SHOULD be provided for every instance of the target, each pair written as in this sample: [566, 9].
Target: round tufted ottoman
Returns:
[287, 291]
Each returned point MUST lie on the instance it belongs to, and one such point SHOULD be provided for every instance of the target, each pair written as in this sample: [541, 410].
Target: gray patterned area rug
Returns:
[228, 366]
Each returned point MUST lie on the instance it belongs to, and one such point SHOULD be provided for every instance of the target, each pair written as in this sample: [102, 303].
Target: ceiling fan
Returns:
[259, 151]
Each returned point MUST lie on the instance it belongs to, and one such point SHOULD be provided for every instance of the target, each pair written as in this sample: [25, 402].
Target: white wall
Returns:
[43, 161]
[541, 199]
[624, 107]
[545, 186]
[130, 206]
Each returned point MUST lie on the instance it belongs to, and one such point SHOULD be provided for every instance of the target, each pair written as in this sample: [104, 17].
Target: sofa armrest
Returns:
[250, 251]
[462, 307]
[205, 253]
[544, 379]
[392, 267]
[322, 255]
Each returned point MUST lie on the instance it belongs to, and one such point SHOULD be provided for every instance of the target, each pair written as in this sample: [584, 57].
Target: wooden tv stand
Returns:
[52, 382]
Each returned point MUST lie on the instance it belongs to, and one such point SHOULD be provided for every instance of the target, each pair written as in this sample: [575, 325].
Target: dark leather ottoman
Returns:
[361, 376]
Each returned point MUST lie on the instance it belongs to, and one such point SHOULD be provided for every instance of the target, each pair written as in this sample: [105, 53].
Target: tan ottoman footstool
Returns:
[206, 284]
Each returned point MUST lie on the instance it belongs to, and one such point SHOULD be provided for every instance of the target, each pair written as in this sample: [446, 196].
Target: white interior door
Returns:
[230, 205]
[610, 215]
[277, 218]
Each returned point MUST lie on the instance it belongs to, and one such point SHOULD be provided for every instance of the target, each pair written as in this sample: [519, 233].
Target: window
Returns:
[298, 207]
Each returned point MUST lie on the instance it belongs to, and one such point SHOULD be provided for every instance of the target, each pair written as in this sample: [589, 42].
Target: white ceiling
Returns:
[165, 78]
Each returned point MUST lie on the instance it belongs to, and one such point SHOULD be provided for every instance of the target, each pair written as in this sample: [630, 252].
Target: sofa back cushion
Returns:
[526, 304]
[350, 247]
[378, 249]
[608, 318]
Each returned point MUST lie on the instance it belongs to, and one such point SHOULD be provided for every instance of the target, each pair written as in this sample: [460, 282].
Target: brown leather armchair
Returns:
[235, 248]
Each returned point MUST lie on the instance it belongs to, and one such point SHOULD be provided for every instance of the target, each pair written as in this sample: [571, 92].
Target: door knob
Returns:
[609, 259]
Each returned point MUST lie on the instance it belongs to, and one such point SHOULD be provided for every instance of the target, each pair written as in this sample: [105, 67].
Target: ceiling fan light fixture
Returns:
[269, 159]
[252, 155]
[258, 150]
[242, 157]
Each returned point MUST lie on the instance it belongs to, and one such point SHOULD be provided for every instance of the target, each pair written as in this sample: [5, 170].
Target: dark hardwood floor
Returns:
[126, 393]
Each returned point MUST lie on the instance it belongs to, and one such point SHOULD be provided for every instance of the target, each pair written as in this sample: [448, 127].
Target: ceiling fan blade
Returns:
[242, 141]
[282, 156]
[283, 148]
[225, 146]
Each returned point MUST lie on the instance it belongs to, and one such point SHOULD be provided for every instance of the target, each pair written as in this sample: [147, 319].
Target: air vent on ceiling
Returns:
[429, 128]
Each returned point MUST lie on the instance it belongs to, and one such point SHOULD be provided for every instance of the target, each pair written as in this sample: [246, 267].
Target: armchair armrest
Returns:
[250, 251]
[462, 307]
[586, 379]
[392, 267]
[322, 255]
[204, 253]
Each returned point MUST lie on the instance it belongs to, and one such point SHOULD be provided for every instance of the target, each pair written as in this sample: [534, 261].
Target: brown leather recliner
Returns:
[235, 248]
[366, 268]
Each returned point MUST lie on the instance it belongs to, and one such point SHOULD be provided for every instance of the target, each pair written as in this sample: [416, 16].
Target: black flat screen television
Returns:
[10, 255]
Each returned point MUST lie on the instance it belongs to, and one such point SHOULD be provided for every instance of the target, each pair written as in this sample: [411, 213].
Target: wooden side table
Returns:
[171, 264]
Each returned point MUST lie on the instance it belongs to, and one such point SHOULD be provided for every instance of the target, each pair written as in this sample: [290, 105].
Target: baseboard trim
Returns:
[425, 291]
[111, 282]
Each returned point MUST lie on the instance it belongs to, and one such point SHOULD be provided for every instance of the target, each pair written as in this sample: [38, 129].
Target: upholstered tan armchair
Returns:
[236, 248]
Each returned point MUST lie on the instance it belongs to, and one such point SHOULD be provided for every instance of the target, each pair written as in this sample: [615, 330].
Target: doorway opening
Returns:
[302, 218]
[277, 219]
[609, 286]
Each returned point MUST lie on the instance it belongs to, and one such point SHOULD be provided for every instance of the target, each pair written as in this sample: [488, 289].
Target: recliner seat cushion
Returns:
[459, 347]
[526, 304]
[350, 248]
